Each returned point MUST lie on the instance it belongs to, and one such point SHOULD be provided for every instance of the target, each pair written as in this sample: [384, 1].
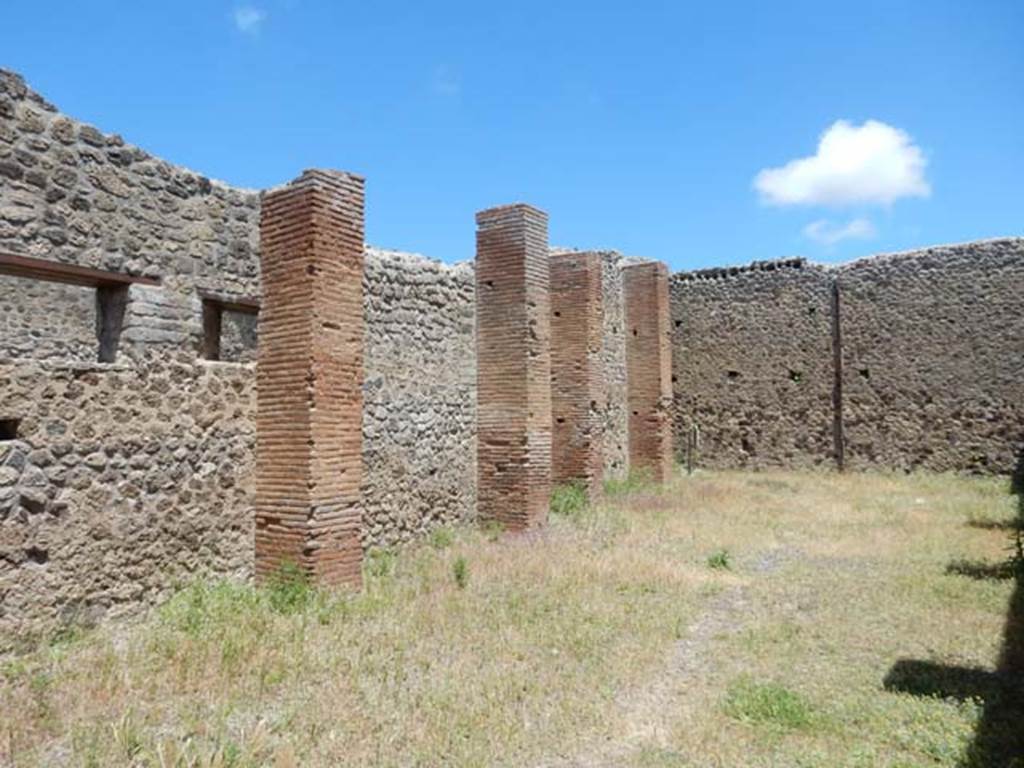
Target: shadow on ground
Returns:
[999, 738]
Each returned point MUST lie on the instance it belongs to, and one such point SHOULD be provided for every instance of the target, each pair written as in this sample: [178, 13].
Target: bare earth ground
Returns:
[772, 619]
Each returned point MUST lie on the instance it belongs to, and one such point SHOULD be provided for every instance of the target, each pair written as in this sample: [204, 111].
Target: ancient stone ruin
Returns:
[201, 380]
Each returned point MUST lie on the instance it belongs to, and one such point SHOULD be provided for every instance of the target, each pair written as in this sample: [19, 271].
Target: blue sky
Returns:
[638, 126]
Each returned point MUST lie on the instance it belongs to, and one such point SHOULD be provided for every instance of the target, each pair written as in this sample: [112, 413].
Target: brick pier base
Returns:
[309, 379]
[577, 375]
[513, 337]
[648, 369]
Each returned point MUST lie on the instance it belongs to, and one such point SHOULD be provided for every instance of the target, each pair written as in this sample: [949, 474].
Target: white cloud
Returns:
[828, 233]
[870, 163]
[249, 19]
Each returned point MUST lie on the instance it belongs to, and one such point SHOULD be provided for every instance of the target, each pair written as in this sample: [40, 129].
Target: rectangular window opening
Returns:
[230, 329]
[111, 301]
[60, 311]
[46, 320]
[211, 329]
[9, 429]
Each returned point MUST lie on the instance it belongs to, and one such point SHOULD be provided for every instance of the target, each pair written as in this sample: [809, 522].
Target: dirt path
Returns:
[683, 686]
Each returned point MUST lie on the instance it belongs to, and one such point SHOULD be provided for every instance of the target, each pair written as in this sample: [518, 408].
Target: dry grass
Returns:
[729, 619]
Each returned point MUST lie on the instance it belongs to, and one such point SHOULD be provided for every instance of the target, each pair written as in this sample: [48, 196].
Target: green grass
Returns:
[719, 560]
[767, 704]
[441, 537]
[624, 485]
[460, 572]
[621, 636]
[569, 500]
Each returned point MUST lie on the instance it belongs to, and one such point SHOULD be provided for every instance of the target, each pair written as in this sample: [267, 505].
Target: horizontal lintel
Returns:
[231, 302]
[57, 272]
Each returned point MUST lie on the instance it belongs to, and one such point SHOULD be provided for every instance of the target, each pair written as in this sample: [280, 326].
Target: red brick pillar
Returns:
[513, 336]
[309, 378]
[577, 375]
[648, 369]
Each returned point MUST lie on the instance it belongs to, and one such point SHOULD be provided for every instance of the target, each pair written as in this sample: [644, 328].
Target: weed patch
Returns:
[460, 572]
[442, 537]
[767, 704]
[719, 560]
[569, 501]
[633, 482]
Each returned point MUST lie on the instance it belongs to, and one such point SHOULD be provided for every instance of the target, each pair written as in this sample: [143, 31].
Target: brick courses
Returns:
[578, 391]
[309, 379]
[513, 326]
[648, 369]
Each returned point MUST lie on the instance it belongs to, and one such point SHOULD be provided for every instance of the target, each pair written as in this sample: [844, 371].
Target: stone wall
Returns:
[177, 432]
[419, 399]
[125, 478]
[933, 347]
[238, 336]
[752, 365]
[71, 193]
[614, 414]
[932, 363]
[123, 482]
[47, 321]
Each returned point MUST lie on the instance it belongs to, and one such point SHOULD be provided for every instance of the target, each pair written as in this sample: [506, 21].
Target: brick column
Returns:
[513, 335]
[648, 369]
[309, 378]
[577, 375]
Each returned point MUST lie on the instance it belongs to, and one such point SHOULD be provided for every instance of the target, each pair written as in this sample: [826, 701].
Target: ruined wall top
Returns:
[922, 258]
[70, 192]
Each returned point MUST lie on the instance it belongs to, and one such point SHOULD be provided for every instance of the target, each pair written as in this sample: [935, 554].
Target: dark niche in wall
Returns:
[111, 301]
[230, 327]
[9, 429]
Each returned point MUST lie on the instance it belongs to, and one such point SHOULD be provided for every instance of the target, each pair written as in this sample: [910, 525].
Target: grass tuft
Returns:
[460, 572]
[719, 560]
[766, 704]
[625, 485]
[569, 500]
[379, 563]
[289, 590]
[442, 537]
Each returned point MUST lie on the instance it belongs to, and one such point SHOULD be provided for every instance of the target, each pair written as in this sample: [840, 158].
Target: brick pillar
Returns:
[309, 378]
[577, 375]
[648, 369]
[513, 335]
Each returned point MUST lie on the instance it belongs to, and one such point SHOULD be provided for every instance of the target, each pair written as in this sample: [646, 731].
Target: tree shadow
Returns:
[931, 679]
[999, 737]
[1016, 524]
[983, 570]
